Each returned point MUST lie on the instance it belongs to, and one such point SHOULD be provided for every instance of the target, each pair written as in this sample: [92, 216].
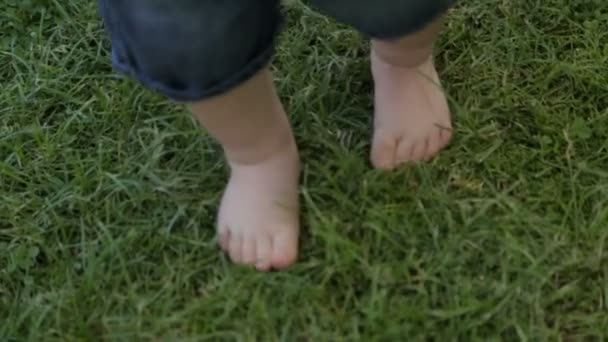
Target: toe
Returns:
[383, 151]
[419, 150]
[446, 136]
[248, 254]
[235, 247]
[264, 253]
[404, 152]
[434, 144]
[284, 250]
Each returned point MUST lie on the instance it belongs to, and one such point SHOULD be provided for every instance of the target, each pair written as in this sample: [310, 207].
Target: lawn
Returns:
[108, 192]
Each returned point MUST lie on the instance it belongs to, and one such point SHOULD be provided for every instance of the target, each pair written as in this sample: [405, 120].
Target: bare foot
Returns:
[412, 120]
[258, 218]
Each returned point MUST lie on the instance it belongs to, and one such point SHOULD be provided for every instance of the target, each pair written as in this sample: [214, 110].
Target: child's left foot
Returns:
[412, 120]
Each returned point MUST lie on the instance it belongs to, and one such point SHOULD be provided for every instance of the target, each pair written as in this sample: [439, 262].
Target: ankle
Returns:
[265, 149]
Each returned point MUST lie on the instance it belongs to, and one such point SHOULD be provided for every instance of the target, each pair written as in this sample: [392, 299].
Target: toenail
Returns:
[443, 127]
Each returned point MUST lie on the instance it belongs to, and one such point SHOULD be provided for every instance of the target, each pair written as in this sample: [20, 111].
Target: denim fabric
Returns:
[190, 50]
[384, 19]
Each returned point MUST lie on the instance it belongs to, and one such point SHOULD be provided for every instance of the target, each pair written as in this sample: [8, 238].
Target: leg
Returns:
[412, 121]
[258, 218]
[214, 56]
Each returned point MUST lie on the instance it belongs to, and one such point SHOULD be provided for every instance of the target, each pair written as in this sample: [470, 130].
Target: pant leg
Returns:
[190, 50]
[385, 19]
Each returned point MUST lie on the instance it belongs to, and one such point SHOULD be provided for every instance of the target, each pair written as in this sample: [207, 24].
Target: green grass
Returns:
[108, 192]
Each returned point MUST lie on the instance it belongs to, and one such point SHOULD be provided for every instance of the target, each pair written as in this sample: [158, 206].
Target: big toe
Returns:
[383, 151]
[284, 250]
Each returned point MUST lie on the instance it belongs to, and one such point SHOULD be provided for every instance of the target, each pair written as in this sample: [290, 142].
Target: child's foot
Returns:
[258, 218]
[412, 120]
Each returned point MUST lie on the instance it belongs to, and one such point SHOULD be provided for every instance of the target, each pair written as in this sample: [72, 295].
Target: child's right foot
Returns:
[258, 218]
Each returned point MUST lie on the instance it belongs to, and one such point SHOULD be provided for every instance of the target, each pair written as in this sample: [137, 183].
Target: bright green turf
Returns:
[108, 192]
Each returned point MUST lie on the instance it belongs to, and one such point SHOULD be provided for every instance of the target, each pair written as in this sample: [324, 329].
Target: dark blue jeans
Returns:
[190, 50]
